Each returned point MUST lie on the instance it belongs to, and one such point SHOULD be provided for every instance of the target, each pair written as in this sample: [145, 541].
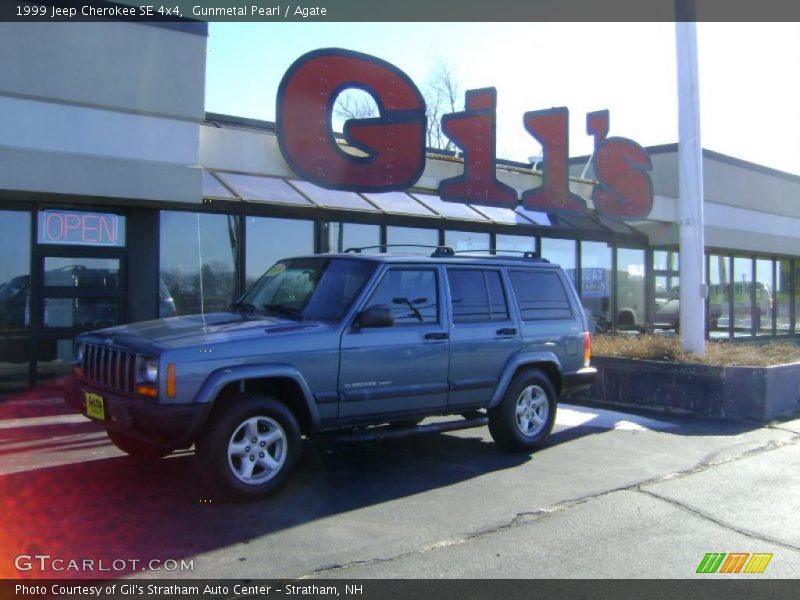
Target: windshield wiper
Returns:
[282, 309]
[245, 306]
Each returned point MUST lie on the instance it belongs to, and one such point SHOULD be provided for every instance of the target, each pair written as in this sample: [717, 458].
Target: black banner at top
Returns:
[276, 11]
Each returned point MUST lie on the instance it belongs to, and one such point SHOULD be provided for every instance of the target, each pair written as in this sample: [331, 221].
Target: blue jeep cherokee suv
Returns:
[339, 341]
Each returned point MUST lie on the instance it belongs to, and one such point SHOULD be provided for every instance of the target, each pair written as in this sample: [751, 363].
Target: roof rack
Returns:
[526, 254]
[438, 251]
[448, 252]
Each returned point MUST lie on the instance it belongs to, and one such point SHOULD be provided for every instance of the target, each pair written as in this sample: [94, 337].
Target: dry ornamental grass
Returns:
[652, 347]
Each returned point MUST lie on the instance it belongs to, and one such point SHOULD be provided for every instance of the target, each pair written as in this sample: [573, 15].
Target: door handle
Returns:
[437, 335]
[507, 331]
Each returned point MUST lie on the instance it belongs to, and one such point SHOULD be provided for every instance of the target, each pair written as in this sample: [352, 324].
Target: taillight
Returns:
[587, 348]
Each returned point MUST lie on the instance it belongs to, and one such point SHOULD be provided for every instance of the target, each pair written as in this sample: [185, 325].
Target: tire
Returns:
[136, 448]
[525, 416]
[232, 464]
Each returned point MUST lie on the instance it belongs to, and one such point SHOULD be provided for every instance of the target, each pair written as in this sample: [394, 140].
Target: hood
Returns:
[204, 330]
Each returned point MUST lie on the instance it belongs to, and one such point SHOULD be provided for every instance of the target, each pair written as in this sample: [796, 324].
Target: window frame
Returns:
[370, 293]
[483, 271]
[567, 300]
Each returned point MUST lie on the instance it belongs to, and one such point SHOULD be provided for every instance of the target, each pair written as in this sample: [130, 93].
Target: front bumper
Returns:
[578, 382]
[168, 425]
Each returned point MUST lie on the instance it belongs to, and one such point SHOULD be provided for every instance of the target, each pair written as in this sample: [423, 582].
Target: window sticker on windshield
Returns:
[276, 270]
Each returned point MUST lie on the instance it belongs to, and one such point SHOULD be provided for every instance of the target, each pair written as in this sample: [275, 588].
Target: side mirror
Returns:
[377, 315]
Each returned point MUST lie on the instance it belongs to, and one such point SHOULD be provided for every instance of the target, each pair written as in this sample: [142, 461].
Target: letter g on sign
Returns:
[394, 142]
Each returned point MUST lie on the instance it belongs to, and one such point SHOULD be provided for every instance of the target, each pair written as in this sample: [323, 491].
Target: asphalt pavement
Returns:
[612, 495]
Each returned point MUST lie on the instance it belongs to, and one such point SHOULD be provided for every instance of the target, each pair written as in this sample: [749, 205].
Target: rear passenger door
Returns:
[483, 334]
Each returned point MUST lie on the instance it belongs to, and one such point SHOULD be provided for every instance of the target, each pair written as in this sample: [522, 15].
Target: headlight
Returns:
[148, 370]
[77, 357]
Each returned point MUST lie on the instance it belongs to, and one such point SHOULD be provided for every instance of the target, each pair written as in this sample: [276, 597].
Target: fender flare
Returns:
[514, 363]
[222, 377]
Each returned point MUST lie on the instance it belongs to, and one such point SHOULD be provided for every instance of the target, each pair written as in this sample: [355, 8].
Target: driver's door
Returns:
[399, 370]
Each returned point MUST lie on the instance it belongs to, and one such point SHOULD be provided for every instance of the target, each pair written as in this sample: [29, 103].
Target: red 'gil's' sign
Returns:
[394, 142]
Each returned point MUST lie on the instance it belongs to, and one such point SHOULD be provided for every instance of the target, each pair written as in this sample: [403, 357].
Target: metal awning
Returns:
[420, 204]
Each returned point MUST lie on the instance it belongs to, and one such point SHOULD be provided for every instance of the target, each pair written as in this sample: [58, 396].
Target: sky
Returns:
[749, 76]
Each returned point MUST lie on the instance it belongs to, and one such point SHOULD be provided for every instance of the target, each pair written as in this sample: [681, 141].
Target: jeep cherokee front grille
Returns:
[110, 367]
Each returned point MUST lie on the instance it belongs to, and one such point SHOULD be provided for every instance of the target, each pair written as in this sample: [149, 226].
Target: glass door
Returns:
[78, 289]
[15, 279]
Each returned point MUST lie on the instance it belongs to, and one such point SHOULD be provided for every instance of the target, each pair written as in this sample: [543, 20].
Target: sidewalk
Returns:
[33, 403]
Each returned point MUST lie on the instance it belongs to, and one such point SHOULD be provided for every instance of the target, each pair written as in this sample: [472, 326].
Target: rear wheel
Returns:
[249, 447]
[137, 448]
[525, 416]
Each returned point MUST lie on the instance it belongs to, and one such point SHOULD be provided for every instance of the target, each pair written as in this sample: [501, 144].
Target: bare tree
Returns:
[355, 104]
[442, 95]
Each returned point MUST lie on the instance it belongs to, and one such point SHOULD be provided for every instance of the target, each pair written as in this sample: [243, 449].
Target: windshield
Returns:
[308, 288]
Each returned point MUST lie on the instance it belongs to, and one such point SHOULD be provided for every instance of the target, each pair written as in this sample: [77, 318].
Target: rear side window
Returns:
[541, 295]
[477, 296]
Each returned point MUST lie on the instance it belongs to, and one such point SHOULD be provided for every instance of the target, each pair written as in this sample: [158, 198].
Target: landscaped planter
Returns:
[761, 393]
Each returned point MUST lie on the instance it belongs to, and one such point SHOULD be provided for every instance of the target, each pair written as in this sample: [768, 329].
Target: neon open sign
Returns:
[393, 143]
[81, 228]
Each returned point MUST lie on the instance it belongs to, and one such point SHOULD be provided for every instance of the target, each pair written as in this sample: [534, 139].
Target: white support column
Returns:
[693, 290]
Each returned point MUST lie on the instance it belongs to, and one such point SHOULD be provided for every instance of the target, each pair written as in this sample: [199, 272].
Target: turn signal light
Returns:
[77, 372]
[587, 348]
[171, 380]
[146, 390]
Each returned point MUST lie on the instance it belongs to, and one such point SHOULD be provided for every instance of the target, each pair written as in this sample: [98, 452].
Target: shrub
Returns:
[668, 349]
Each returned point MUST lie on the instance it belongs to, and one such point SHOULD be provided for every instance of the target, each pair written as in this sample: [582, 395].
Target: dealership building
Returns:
[122, 200]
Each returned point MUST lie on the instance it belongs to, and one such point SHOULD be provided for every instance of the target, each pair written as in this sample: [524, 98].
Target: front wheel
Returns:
[136, 448]
[525, 416]
[249, 447]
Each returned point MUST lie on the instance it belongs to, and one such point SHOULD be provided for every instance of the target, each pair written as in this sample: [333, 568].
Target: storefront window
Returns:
[630, 288]
[666, 309]
[464, 241]
[665, 260]
[414, 237]
[764, 289]
[82, 272]
[596, 284]
[198, 255]
[783, 297]
[744, 314]
[342, 236]
[269, 240]
[15, 279]
[516, 243]
[719, 288]
[797, 296]
[560, 252]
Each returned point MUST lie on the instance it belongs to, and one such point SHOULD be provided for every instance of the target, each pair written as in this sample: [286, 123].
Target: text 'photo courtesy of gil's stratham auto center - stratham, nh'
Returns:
[403, 300]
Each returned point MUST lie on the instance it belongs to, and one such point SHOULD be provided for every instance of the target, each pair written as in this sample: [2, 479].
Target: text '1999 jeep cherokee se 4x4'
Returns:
[339, 342]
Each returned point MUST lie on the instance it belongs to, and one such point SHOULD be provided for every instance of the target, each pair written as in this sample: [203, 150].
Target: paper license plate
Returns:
[94, 406]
